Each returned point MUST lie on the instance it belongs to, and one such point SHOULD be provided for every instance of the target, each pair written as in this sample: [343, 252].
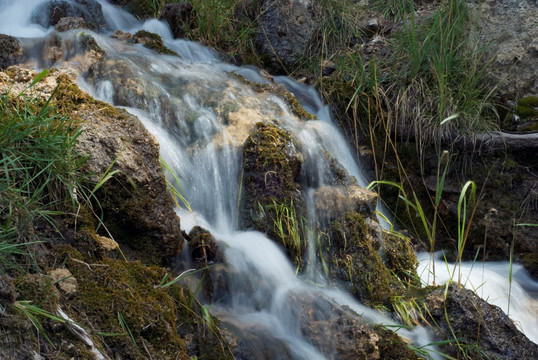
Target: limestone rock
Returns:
[333, 202]
[137, 209]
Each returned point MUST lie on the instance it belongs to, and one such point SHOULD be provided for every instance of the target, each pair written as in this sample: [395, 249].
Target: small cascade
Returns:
[202, 110]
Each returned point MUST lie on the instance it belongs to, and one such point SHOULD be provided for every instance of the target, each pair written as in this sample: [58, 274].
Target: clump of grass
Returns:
[40, 169]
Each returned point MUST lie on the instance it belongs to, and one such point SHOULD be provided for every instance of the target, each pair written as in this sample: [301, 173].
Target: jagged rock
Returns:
[49, 13]
[479, 327]
[68, 23]
[10, 51]
[508, 27]
[285, 29]
[202, 245]
[180, 18]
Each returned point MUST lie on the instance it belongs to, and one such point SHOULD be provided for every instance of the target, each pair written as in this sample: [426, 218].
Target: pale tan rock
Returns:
[64, 280]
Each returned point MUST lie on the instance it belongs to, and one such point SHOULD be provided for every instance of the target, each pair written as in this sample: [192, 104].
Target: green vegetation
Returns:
[41, 171]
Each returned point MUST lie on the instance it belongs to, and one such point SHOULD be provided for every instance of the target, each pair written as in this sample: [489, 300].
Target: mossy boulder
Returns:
[354, 258]
[270, 198]
[152, 41]
[136, 208]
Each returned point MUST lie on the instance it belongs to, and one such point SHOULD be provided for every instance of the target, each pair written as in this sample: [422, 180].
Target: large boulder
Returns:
[10, 51]
[285, 30]
[135, 205]
[50, 12]
[483, 330]
[507, 29]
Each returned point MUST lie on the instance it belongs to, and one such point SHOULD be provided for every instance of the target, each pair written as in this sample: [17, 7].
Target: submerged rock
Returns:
[482, 330]
[69, 23]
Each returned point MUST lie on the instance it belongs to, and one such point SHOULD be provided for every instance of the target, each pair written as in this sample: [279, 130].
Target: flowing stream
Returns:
[201, 113]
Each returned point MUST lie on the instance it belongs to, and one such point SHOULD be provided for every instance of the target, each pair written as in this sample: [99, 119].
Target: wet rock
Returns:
[68, 23]
[180, 18]
[285, 29]
[353, 256]
[202, 245]
[508, 27]
[151, 41]
[340, 332]
[270, 194]
[10, 51]
[482, 329]
[120, 35]
[49, 13]
[137, 208]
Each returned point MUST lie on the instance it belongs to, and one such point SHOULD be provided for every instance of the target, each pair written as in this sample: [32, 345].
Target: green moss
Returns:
[392, 347]
[529, 101]
[271, 196]
[355, 259]
[400, 259]
[152, 41]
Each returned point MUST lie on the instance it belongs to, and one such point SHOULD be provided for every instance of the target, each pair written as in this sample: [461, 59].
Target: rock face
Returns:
[180, 18]
[10, 51]
[285, 29]
[473, 321]
[50, 12]
[137, 209]
[508, 29]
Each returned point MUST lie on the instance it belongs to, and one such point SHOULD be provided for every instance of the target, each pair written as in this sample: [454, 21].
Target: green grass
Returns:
[40, 171]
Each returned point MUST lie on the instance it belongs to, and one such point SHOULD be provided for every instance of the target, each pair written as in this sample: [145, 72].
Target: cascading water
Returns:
[201, 112]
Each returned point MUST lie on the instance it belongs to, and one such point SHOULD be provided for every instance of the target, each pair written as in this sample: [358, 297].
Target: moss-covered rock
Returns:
[353, 256]
[271, 201]
[152, 41]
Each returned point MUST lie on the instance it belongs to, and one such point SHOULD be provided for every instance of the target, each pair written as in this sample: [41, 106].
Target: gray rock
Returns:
[10, 51]
[475, 322]
[285, 29]
[49, 13]
[69, 23]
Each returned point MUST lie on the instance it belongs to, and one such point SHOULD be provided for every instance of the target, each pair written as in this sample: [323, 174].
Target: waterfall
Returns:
[201, 110]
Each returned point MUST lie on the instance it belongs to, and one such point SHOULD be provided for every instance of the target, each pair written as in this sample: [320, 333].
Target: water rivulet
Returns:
[252, 152]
